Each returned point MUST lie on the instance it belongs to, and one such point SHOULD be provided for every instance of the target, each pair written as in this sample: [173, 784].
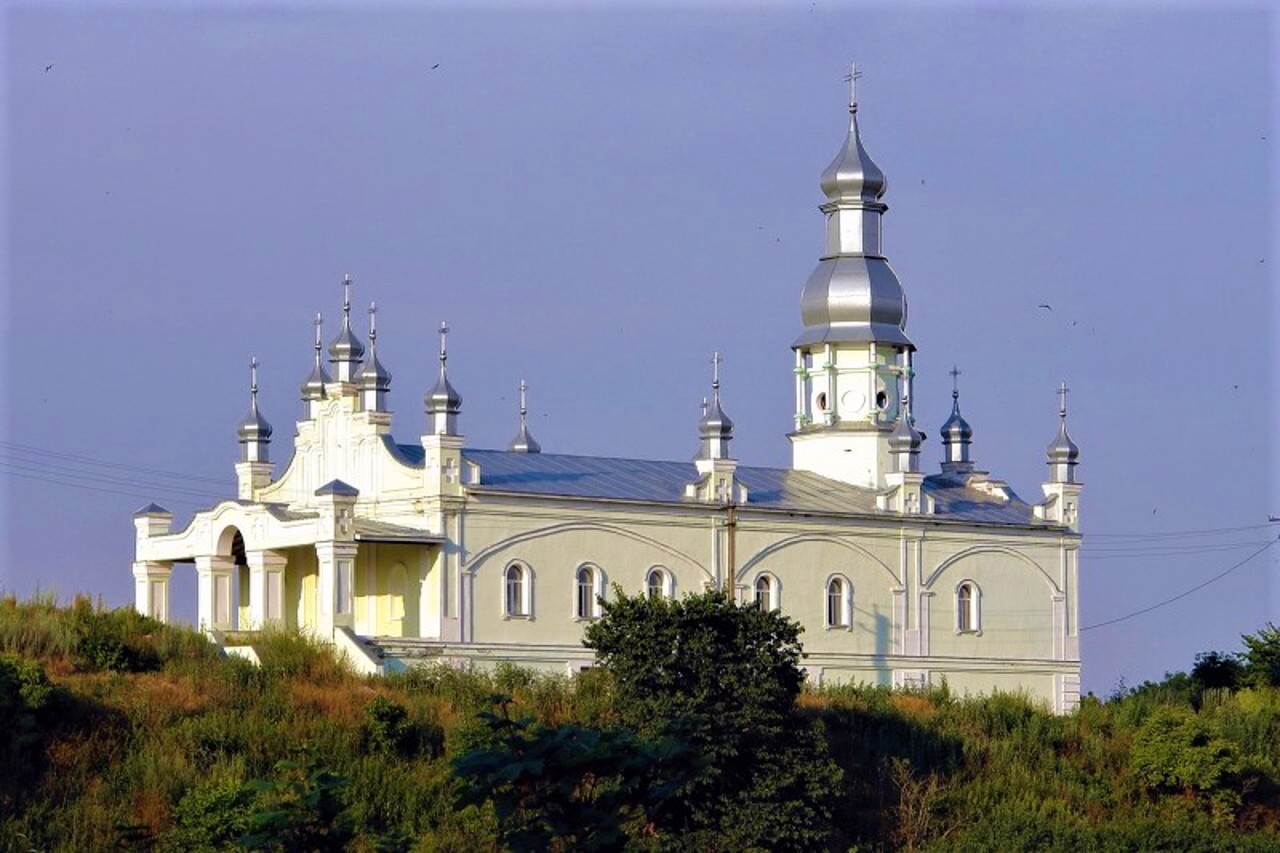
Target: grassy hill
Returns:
[117, 732]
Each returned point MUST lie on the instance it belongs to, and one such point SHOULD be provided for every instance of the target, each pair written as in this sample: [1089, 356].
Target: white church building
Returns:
[430, 550]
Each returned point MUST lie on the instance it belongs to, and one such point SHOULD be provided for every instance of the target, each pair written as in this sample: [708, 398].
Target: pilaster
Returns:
[151, 589]
[266, 587]
[214, 607]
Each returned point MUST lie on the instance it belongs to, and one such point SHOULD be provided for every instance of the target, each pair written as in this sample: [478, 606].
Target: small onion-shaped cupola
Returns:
[715, 428]
[904, 442]
[853, 295]
[254, 432]
[313, 386]
[957, 435]
[1062, 452]
[374, 380]
[443, 403]
[524, 442]
[346, 351]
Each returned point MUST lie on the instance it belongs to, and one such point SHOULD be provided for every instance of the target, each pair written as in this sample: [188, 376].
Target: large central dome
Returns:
[853, 296]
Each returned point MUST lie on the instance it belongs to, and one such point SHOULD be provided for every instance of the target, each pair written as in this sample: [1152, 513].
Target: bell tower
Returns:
[853, 358]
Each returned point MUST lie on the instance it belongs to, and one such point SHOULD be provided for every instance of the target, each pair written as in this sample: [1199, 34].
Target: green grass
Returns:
[150, 739]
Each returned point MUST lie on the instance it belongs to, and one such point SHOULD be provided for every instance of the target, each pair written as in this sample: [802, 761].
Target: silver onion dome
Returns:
[853, 175]
[443, 398]
[254, 427]
[1062, 448]
[313, 386]
[905, 437]
[715, 428]
[524, 442]
[373, 376]
[853, 295]
[346, 348]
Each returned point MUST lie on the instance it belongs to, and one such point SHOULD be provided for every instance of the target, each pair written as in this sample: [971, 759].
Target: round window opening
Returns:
[822, 401]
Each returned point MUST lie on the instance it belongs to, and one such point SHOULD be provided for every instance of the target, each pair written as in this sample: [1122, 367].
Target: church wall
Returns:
[387, 589]
[554, 542]
[803, 561]
[1015, 601]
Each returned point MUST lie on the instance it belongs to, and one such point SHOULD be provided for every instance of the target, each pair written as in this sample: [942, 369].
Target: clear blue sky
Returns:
[596, 199]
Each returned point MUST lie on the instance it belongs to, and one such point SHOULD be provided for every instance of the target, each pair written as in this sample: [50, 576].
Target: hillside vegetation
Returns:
[118, 733]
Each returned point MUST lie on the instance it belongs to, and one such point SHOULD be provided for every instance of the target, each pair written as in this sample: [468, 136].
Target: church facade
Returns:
[430, 550]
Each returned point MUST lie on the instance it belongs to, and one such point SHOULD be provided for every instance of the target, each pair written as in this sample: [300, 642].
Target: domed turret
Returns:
[443, 403]
[253, 432]
[313, 386]
[853, 296]
[715, 428]
[346, 351]
[957, 435]
[524, 442]
[1062, 453]
[374, 379]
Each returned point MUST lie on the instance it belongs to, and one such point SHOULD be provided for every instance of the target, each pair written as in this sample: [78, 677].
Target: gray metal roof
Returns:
[561, 475]
[368, 530]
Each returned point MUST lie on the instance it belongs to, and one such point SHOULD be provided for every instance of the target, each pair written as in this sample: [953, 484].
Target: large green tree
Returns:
[724, 678]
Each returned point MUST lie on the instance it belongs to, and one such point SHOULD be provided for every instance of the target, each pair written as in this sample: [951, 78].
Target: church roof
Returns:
[649, 481]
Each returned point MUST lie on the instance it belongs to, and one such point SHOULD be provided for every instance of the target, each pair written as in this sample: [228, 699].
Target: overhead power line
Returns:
[30, 450]
[1186, 593]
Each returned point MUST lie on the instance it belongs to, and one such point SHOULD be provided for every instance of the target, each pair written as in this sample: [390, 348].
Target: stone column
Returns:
[213, 593]
[266, 587]
[151, 589]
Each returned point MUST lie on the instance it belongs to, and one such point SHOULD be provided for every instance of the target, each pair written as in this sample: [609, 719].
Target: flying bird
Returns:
[49, 68]
[434, 67]
[1045, 306]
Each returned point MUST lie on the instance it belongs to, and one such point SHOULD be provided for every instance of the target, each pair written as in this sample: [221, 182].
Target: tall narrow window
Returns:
[659, 584]
[838, 604]
[586, 593]
[517, 590]
[764, 592]
[967, 602]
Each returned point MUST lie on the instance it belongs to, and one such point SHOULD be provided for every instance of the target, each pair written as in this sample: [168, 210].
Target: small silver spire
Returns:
[904, 441]
[524, 442]
[346, 351]
[253, 432]
[313, 386]
[443, 402]
[1063, 454]
[374, 379]
[957, 435]
[715, 428]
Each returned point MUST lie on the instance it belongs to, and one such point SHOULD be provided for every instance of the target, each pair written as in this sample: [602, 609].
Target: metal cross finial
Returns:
[346, 294]
[253, 377]
[318, 322]
[955, 382]
[373, 323]
[852, 79]
[1062, 400]
[716, 360]
[444, 333]
[524, 410]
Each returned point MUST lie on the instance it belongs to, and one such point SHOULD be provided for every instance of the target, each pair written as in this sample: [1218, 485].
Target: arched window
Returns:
[968, 608]
[766, 593]
[586, 591]
[658, 583]
[839, 603]
[517, 597]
